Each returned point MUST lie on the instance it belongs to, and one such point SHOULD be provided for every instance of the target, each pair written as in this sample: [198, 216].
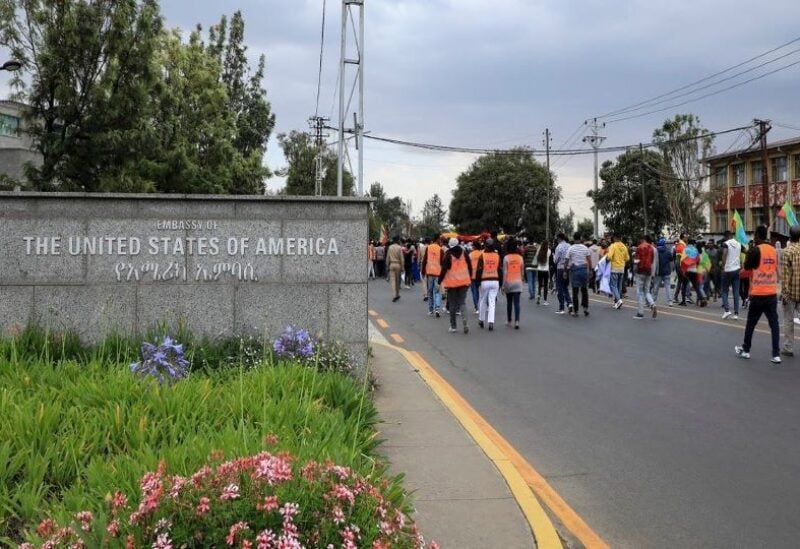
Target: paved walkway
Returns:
[462, 501]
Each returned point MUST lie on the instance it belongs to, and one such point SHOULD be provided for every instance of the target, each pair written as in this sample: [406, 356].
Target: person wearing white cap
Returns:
[489, 272]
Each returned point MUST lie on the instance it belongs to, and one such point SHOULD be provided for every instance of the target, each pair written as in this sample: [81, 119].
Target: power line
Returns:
[704, 96]
[787, 126]
[692, 84]
[321, 49]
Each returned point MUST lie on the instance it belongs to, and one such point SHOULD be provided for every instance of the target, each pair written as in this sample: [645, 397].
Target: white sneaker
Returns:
[726, 314]
[545, 303]
[735, 317]
[797, 321]
[776, 360]
[560, 312]
[452, 330]
[741, 353]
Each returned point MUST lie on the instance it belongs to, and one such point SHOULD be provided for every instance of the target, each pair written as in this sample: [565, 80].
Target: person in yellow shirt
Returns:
[617, 256]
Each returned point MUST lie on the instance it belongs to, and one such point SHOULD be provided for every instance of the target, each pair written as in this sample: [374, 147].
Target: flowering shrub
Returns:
[294, 343]
[263, 501]
[165, 361]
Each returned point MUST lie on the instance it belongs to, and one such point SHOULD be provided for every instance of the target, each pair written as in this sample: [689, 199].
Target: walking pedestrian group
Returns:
[453, 271]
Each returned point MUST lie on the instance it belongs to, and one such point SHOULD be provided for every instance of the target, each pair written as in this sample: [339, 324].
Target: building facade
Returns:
[736, 184]
[16, 148]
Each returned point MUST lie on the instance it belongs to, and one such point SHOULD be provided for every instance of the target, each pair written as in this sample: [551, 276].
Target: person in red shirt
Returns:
[645, 268]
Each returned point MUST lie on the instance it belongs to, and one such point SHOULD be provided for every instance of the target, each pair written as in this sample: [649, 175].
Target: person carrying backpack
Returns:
[644, 269]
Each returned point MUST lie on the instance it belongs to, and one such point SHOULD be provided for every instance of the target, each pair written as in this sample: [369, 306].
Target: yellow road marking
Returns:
[489, 441]
[398, 338]
[382, 323]
[373, 313]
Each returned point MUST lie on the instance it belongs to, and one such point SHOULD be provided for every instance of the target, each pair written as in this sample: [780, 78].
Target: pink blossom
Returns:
[113, 528]
[271, 439]
[289, 510]
[79, 544]
[270, 504]
[343, 493]
[337, 514]
[162, 542]
[230, 539]
[247, 544]
[26, 546]
[200, 475]
[46, 528]
[274, 469]
[178, 484]
[203, 507]
[230, 492]
[85, 518]
[266, 539]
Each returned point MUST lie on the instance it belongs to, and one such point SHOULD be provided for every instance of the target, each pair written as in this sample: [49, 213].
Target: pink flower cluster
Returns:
[265, 501]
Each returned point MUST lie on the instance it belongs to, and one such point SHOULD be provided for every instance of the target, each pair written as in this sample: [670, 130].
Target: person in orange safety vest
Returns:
[456, 278]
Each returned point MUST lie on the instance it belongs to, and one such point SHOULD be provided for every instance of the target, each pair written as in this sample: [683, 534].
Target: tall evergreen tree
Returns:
[300, 152]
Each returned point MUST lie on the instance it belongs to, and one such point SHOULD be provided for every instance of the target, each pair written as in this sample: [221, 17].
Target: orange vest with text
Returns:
[474, 256]
[457, 276]
[433, 262]
[491, 266]
[764, 281]
[514, 271]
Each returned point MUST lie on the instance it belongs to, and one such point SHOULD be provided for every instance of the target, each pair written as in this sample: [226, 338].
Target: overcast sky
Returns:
[496, 74]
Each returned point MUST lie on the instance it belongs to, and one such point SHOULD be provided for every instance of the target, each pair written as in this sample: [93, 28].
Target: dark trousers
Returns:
[475, 287]
[512, 301]
[584, 291]
[768, 306]
[544, 283]
[455, 302]
[380, 268]
[561, 289]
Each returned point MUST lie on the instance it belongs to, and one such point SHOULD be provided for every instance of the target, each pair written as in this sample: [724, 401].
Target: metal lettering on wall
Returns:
[223, 257]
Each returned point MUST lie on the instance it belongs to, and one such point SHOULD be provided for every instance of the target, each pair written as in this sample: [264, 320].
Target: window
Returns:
[797, 166]
[9, 125]
[721, 220]
[757, 172]
[758, 216]
[779, 169]
[738, 175]
[721, 177]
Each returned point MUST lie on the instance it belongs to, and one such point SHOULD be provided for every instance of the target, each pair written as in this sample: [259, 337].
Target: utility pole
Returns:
[763, 127]
[358, 82]
[643, 182]
[549, 185]
[317, 124]
[595, 140]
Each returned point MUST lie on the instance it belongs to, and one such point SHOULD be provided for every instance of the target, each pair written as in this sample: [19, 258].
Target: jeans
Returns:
[789, 309]
[693, 277]
[512, 301]
[530, 275]
[768, 306]
[561, 289]
[476, 293]
[643, 293]
[488, 300]
[579, 285]
[616, 285]
[455, 300]
[659, 281]
[544, 283]
[730, 280]
[434, 296]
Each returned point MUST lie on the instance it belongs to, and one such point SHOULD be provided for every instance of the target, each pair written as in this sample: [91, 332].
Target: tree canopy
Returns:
[118, 103]
[505, 192]
[388, 211]
[434, 217]
[620, 196]
[300, 151]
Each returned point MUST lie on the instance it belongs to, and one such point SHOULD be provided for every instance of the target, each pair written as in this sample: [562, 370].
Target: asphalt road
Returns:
[652, 430]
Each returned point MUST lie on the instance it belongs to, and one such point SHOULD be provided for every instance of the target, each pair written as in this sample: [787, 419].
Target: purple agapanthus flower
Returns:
[294, 343]
[165, 361]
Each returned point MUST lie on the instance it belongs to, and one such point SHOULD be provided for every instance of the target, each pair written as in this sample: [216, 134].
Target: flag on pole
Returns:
[738, 229]
[384, 235]
[787, 213]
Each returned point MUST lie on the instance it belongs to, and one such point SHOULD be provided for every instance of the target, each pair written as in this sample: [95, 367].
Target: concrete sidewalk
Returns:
[461, 499]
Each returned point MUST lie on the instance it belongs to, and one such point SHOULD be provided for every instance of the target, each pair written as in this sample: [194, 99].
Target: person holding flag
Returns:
[787, 213]
[731, 264]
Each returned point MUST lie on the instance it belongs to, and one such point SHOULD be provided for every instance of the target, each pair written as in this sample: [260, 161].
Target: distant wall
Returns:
[96, 263]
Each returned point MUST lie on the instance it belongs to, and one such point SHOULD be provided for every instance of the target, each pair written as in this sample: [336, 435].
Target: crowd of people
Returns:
[451, 271]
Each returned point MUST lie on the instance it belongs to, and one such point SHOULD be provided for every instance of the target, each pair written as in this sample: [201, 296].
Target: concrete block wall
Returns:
[326, 294]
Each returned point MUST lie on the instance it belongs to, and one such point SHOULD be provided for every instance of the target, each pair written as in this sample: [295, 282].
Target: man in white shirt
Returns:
[731, 263]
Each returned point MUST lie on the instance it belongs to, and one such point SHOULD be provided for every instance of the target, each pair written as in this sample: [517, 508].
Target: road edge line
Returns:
[541, 526]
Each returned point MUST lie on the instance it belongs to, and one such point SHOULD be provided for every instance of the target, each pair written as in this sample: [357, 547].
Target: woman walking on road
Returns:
[543, 272]
[456, 278]
[489, 273]
[513, 264]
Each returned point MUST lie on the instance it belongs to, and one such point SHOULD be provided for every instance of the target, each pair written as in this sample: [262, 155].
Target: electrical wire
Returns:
[321, 50]
[692, 84]
[704, 96]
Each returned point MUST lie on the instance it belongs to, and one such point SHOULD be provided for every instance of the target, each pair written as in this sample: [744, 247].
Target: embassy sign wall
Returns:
[225, 265]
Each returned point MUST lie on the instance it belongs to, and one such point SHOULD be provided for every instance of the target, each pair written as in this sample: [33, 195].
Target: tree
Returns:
[300, 151]
[247, 99]
[566, 224]
[684, 145]
[92, 71]
[585, 227]
[620, 195]
[433, 217]
[505, 192]
[391, 212]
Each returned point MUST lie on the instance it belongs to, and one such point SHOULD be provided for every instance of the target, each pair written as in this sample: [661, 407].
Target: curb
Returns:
[540, 524]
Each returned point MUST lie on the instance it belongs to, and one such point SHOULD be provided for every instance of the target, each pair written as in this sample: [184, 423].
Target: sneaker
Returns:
[735, 317]
[560, 312]
[655, 310]
[395, 299]
[458, 313]
[452, 330]
[569, 309]
[796, 321]
[637, 316]
[776, 360]
[545, 303]
[726, 314]
[618, 304]
[741, 353]
[430, 313]
[689, 300]
[574, 313]
[491, 326]
[477, 311]
[538, 300]
[670, 303]
[480, 324]
[787, 353]
[586, 312]
[437, 313]
[516, 325]
[425, 298]
[682, 304]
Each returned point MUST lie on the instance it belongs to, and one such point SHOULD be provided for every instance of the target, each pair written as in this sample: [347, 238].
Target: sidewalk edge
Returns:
[544, 532]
